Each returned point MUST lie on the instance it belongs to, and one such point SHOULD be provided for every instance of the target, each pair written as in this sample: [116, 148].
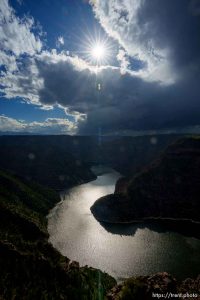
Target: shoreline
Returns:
[185, 227]
[192, 222]
[139, 221]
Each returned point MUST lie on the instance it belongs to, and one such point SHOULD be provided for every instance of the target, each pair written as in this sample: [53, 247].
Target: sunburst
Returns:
[96, 49]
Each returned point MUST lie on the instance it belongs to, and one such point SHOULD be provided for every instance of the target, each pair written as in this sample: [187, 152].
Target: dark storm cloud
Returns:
[173, 24]
[124, 102]
[150, 108]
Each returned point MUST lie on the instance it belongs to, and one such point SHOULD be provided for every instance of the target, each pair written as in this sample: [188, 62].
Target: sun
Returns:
[97, 48]
[98, 52]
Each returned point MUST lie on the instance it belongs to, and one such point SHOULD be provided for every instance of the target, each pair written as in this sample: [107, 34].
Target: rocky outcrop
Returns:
[168, 189]
[160, 285]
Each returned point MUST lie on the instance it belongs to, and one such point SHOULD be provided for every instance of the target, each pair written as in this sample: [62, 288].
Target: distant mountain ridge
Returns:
[43, 160]
[17, 133]
[61, 162]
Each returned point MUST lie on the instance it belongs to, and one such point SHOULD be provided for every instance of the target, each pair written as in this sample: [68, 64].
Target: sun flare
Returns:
[98, 52]
[97, 49]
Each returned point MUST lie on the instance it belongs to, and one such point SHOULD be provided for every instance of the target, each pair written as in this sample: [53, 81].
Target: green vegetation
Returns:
[30, 267]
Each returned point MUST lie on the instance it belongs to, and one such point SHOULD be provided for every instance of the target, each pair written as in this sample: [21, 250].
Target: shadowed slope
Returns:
[30, 267]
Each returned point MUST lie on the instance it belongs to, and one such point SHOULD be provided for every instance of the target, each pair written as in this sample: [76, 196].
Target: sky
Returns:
[146, 78]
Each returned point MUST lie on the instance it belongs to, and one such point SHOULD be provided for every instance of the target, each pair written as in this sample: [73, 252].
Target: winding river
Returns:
[121, 251]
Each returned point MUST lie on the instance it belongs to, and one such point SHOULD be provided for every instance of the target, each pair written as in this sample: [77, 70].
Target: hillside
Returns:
[44, 160]
[60, 162]
[129, 155]
[168, 188]
[30, 267]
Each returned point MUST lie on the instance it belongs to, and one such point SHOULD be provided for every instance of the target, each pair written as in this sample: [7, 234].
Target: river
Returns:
[121, 251]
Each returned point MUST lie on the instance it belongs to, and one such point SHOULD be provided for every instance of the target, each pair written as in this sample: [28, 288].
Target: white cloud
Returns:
[10, 124]
[60, 41]
[16, 35]
[23, 82]
[123, 59]
[120, 19]
[9, 61]
[52, 126]
[49, 126]
[18, 38]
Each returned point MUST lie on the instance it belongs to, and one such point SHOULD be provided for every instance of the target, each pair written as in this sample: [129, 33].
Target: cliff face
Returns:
[169, 188]
[128, 155]
[30, 268]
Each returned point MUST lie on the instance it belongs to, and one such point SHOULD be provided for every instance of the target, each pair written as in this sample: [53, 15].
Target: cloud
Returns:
[161, 33]
[121, 20]
[125, 101]
[49, 78]
[52, 126]
[21, 80]
[19, 42]
[163, 93]
[17, 35]
[8, 61]
[60, 41]
[122, 57]
[49, 126]
[10, 124]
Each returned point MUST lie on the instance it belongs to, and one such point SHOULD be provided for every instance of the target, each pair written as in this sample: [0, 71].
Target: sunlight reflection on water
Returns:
[79, 236]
